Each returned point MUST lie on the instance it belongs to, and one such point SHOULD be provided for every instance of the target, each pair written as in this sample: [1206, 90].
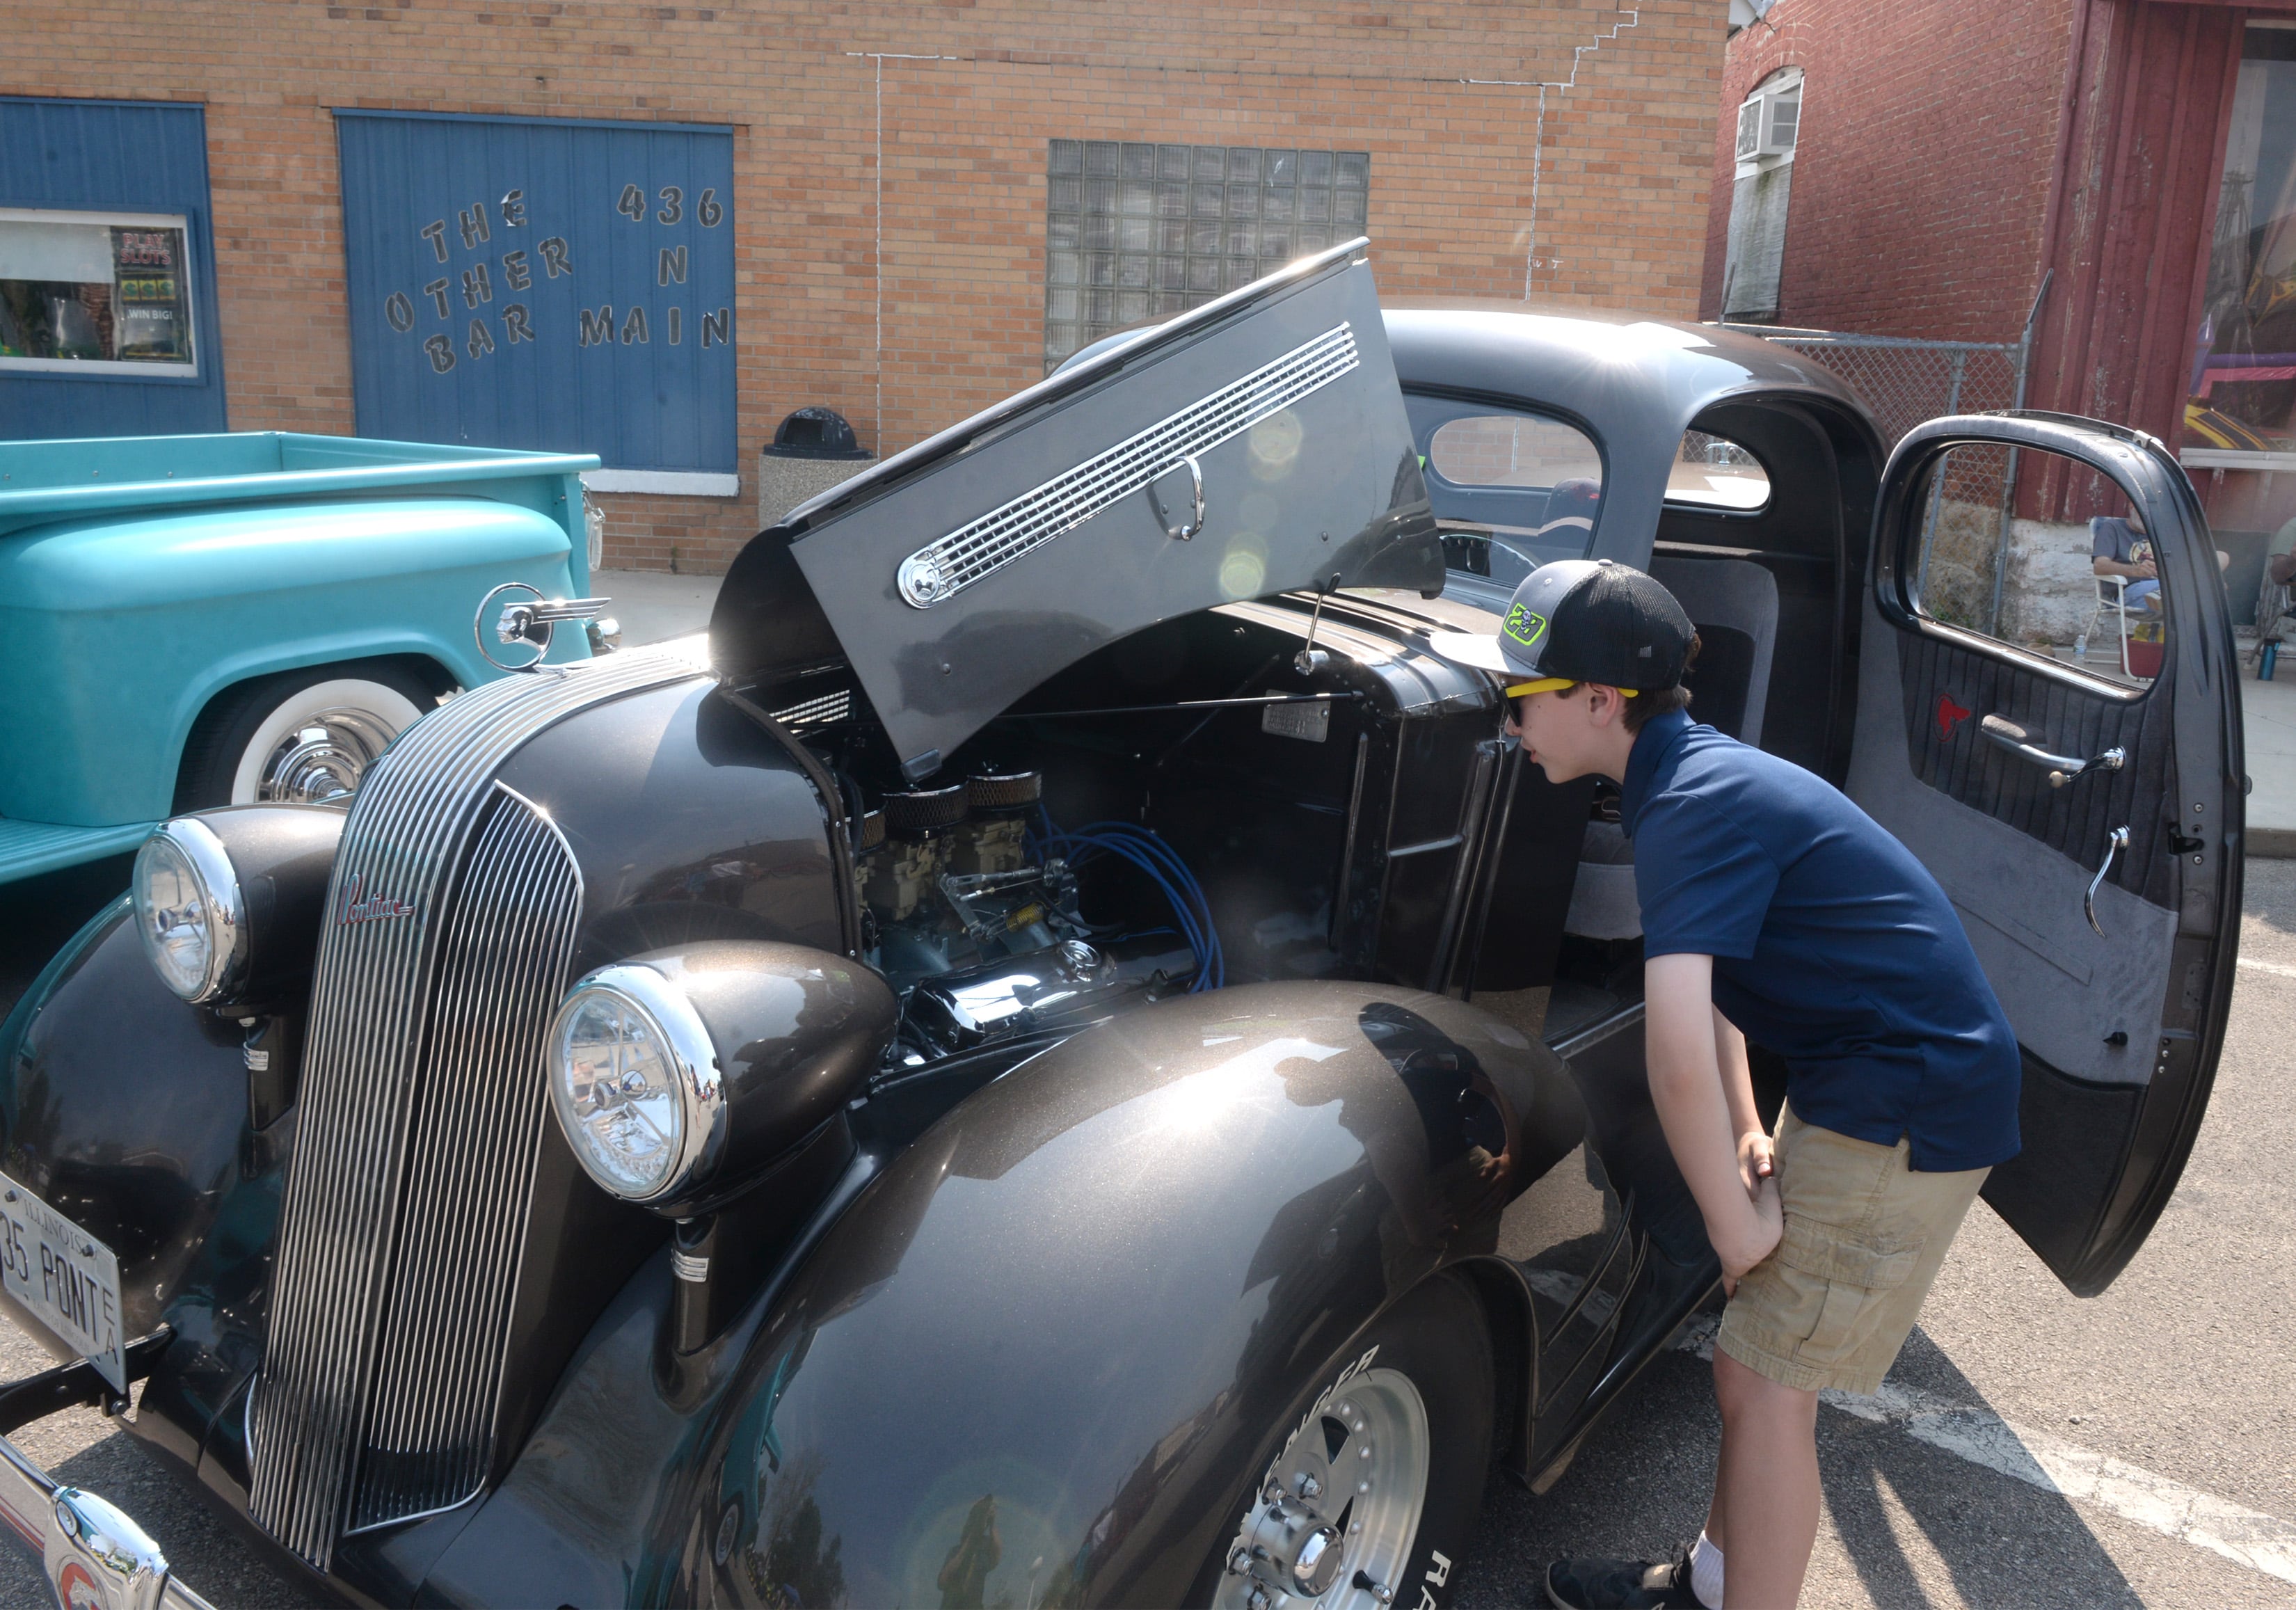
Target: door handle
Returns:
[2062, 769]
[2114, 846]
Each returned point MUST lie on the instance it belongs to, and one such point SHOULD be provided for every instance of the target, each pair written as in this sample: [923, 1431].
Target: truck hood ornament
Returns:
[530, 621]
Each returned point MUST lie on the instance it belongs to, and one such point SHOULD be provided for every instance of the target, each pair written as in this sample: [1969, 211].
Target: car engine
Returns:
[974, 917]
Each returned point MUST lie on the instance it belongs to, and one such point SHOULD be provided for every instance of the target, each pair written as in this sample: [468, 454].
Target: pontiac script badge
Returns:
[373, 910]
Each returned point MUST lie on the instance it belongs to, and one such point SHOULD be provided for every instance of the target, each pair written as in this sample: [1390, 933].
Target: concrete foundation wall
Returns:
[2047, 594]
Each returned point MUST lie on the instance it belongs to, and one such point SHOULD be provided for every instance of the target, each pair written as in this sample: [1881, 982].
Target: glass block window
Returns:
[1137, 231]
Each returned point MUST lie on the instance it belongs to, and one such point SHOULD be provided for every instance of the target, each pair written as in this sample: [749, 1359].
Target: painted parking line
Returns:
[2246, 1537]
[2277, 969]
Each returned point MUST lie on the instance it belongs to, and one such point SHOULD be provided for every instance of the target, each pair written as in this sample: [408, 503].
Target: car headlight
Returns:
[683, 1076]
[228, 902]
[189, 911]
[634, 1078]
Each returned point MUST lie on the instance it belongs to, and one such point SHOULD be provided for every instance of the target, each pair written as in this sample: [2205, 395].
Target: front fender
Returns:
[1090, 1290]
[127, 1111]
[118, 631]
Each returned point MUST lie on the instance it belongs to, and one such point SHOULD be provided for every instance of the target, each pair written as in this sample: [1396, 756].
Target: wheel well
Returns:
[1513, 1355]
[224, 703]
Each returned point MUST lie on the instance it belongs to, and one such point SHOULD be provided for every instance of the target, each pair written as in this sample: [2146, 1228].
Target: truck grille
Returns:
[420, 1112]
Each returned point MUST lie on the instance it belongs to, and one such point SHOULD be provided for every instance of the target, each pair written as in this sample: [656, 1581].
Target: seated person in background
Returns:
[1570, 516]
[2119, 547]
[2280, 555]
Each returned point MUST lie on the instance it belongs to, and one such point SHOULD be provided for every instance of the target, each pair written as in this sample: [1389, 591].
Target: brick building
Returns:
[651, 230]
[2137, 156]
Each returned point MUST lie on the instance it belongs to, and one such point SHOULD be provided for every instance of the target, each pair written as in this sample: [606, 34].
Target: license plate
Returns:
[67, 1278]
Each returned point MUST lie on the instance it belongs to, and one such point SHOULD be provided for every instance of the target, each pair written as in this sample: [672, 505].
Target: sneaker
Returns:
[1595, 1584]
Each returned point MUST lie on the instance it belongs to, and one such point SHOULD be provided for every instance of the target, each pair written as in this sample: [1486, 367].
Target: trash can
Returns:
[812, 450]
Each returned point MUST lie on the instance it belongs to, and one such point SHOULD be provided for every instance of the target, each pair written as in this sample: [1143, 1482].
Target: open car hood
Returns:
[960, 574]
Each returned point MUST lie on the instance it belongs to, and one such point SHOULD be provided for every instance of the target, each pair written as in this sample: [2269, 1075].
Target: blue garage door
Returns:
[541, 282]
[107, 271]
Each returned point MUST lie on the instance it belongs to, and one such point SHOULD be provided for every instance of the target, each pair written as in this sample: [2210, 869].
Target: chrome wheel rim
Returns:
[1336, 1514]
[322, 758]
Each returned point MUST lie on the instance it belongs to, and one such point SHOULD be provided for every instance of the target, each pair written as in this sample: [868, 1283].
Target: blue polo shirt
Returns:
[1833, 946]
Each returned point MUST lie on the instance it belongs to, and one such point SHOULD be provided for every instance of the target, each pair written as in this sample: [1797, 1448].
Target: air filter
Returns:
[869, 832]
[1004, 791]
[924, 812]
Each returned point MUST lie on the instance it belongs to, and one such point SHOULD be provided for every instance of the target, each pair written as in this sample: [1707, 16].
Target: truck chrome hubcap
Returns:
[1334, 1520]
[322, 758]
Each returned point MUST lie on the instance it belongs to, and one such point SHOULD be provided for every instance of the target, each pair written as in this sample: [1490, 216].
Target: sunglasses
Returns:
[1511, 716]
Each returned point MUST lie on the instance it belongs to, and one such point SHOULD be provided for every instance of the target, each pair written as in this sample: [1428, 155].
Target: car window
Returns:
[1714, 473]
[1512, 490]
[2031, 549]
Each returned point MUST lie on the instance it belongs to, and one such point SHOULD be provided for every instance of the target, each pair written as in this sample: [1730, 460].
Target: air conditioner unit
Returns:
[1767, 126]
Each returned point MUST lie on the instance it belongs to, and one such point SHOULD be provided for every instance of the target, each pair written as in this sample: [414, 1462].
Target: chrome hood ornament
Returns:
[531, 620]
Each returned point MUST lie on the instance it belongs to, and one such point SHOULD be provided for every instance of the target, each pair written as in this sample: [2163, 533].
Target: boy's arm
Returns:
[1695, 1109]
[1754, 1161]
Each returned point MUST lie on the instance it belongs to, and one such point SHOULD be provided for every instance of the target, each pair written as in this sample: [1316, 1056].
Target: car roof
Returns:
[1454, 341]
[1633, 382]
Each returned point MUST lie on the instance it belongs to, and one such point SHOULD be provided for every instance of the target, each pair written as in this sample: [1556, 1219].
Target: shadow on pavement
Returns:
[1905, 1524]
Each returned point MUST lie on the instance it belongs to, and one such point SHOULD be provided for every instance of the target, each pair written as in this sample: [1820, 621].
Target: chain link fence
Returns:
[1966, 553]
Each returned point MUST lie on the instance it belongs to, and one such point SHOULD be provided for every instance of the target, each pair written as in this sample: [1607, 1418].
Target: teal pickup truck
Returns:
[196, 620]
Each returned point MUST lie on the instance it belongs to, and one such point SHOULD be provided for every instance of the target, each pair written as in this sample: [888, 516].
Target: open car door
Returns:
[2087, 823]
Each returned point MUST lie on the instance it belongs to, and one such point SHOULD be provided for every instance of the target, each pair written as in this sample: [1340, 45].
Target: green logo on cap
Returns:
[1523, 625]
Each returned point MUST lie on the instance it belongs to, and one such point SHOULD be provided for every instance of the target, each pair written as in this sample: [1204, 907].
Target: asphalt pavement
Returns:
[2030, 1448]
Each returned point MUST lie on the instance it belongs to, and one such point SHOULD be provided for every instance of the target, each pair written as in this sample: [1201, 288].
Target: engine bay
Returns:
[1256, 792]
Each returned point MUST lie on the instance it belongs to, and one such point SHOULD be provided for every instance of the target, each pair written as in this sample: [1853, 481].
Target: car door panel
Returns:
[2022, 908]
[1947, 750]
[2118, 986]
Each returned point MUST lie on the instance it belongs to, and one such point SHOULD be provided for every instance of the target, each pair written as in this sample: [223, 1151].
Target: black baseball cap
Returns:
[1581, 621]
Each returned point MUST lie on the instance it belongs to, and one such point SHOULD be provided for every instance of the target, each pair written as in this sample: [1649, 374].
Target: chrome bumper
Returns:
[95, 1556]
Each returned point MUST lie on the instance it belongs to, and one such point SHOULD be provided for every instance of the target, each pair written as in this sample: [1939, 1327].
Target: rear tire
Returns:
[1423, 1371]
[301, 736]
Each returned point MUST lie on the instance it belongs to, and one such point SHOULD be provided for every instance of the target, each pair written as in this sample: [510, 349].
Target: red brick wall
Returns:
[1621, 162]
[1921, 172]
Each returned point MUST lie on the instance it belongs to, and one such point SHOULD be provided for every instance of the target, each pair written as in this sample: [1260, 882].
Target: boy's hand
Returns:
[1756, 1161]
[1756, 1241]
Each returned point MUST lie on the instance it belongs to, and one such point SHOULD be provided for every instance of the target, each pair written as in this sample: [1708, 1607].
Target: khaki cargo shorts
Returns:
[1865, 1235]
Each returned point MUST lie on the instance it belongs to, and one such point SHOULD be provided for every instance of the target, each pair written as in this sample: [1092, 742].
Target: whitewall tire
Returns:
[301, 737]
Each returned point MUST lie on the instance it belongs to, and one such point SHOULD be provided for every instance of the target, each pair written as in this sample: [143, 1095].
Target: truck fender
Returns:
[1089, 1291]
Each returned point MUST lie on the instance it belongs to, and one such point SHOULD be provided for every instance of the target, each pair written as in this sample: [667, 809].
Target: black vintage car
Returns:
[1070, 1064]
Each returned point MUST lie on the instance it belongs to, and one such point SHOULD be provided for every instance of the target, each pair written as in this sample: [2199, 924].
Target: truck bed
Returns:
[42, 481]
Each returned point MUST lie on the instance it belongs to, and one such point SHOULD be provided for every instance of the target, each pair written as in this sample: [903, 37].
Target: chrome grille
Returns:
[356, 1214]
[509, 934]
[939, 571]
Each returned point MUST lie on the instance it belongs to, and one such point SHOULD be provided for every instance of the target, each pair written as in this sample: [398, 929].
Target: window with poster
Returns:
[92, 293]
[2240, 411]
[2244, 381]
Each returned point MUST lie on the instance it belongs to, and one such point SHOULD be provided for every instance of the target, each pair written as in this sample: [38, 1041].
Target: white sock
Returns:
[1706, 1573]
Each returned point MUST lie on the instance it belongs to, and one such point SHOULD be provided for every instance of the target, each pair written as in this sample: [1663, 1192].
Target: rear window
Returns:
[1714, 473]
[1511, 490]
